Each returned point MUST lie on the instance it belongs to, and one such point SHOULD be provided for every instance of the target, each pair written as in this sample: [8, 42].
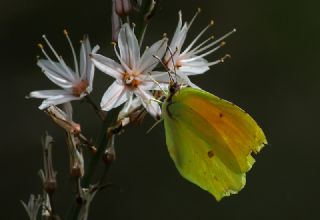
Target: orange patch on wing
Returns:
[236, 127]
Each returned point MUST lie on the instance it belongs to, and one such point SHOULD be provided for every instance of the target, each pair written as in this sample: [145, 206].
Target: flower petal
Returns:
[54, 72]
[44, 94]
[86, 65]
[129, 107]
[197, 66]
[148, 62]
[129, 46]
[177, 32]
[113, 97]
[57, 100]
[67, 108]
[161, 77]
[184, 79]
[107, 65]
[178, 38]
[147, 101]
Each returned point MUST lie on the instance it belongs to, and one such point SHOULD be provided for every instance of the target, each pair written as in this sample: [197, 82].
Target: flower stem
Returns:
[95, 107]
[101, 144]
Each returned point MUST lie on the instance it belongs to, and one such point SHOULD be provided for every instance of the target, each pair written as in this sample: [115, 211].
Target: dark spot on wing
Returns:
[220, 115]
[210, 153]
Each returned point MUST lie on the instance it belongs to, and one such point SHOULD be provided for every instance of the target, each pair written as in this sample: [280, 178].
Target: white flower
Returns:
[75, 84]
[190, 61]
[132, 74]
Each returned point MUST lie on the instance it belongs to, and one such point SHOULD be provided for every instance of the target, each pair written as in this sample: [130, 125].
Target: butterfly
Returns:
[210, 139]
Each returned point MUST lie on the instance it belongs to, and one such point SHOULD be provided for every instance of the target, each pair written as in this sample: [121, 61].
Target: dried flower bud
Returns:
[63, 120]
[123, 7]
[75, 154]
[153, 4]
[32, 208]
[48, 175]
[46, 207]
[86, 196]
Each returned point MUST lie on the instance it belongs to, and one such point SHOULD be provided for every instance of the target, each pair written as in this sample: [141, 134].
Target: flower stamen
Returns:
[65, 32]
[215, 42]
[130, 80]
[59, 58]
[198, 36]
[78, 89]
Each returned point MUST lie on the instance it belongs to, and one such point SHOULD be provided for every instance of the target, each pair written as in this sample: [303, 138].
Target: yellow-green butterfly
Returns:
[210, 140]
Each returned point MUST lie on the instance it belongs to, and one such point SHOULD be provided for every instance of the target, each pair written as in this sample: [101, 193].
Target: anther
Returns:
[222, 43]
[113, 43]
[198, 10]
[211, 23]
[40, 46]
[225, 57]
[65, 32]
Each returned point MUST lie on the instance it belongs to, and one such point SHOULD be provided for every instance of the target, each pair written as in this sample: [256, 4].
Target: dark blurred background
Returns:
[273, 74]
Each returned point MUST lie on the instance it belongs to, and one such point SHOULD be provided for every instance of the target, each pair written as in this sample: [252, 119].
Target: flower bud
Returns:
[48, 174]
[63, 120]
[123, 7]
[76, 157]
[115, 22]
[33, 205]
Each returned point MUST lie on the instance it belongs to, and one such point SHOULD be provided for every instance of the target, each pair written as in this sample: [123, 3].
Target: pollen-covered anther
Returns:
[80, 88]
[178, 64]
[65, 32]
[130, 80]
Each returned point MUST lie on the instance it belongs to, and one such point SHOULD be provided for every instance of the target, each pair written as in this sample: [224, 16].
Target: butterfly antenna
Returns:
[162, 63]
[173, 62]
[158, 84]
[164, 66]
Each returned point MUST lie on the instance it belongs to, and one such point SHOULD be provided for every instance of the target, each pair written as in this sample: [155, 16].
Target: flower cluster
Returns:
[135, 76]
